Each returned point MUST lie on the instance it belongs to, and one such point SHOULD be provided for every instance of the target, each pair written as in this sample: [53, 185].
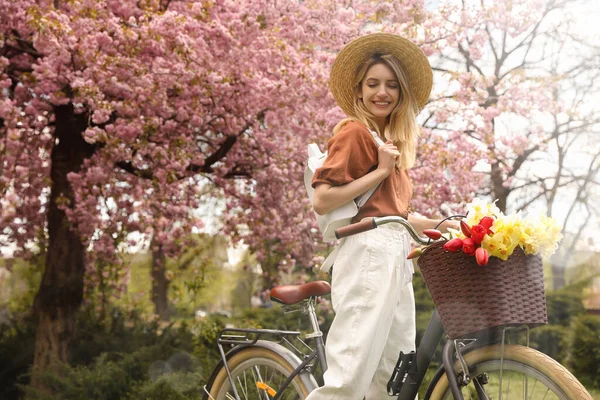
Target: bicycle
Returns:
[475, 366]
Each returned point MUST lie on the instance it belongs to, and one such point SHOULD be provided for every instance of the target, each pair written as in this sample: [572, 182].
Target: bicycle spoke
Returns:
[516, 384]
[256, 376]
[259, 378]
[244, 392]
[546, 394]
[533, 390]
[241, 386]
[525, 386]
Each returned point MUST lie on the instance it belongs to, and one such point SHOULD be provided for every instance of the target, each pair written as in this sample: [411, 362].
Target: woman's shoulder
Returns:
[351, 128]
[353, 137]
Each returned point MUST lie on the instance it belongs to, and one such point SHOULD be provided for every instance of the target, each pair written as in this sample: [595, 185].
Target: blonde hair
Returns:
[402, 128]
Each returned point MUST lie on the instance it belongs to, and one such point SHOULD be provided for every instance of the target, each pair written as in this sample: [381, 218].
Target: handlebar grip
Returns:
[353, 229]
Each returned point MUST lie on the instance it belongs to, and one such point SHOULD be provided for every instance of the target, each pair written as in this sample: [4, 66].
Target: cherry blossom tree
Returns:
[113, 114]
[500, 88]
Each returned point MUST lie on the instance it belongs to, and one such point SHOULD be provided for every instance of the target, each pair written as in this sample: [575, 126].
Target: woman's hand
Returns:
[387, 156]
[451, 224]
[421, 223]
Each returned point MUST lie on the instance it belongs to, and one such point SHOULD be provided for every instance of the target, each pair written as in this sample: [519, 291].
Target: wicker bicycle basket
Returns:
[471, 298]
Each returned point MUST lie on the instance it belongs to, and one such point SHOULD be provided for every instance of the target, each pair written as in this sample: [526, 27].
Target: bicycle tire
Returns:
[251, 363]
[536, 366]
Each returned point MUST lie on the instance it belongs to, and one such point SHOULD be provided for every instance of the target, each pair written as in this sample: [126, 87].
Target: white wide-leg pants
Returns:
[372, 296]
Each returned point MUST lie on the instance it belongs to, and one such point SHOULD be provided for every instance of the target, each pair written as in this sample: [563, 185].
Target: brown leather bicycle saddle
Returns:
[291, 294]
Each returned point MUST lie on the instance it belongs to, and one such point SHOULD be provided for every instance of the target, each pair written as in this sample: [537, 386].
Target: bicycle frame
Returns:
[424, 354]
[242, 338]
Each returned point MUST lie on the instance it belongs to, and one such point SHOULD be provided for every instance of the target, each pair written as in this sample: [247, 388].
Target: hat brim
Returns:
[353, 55]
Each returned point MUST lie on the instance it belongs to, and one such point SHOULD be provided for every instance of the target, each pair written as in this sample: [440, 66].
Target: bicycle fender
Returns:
[289, 356]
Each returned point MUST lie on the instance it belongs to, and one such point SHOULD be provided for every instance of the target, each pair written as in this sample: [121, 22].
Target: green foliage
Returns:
[563, 305]
[423, 304]
[205, 343]
[585, 349]
[118, 357]
[148, 373]
[121, 333]
[197, 279]
[19, 290]
[17, 343]
[273, 318]
[173, 386]
[552, 340]
[247, 283]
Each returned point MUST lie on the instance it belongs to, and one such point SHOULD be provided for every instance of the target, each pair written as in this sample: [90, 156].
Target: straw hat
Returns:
[354, 54]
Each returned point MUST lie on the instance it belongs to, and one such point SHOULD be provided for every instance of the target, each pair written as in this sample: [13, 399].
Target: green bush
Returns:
[17, 343]
[423, 304]
[205, 344]
[585, 350]
[128, 358]
[120, 333]
[552, 340]
[111, 358]
[174, 386]
[564, 305]
[151, 372]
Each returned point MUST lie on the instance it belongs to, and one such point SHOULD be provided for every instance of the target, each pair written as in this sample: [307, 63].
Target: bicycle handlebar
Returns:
[368, 224]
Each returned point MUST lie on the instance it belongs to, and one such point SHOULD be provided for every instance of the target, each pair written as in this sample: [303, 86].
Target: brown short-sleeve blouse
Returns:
[351, 154]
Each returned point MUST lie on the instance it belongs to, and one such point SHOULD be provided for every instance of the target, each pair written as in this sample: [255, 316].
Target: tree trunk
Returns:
[61, 289]
[160, 283]
[558, 276]
[269, 266]
[499, 191]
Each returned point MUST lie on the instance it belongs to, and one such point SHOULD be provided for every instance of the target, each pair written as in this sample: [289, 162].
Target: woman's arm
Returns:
[327, 197]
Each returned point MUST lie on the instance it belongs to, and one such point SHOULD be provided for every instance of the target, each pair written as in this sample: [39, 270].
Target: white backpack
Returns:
[342, 215]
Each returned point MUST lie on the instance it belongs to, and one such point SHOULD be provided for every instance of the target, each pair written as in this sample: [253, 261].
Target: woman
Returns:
[380, 81]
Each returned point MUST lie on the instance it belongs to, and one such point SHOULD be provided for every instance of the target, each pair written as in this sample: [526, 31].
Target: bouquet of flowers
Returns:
[487, 232]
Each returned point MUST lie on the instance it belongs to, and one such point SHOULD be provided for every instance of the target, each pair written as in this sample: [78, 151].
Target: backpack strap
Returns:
[363, 198]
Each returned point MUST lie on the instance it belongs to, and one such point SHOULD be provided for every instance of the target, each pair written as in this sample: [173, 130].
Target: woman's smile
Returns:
[382, 104]
[380, 92]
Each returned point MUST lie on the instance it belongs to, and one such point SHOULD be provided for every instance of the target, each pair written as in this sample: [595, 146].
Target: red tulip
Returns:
[465, 229]
[453, 245]
[469, 246]
[482, 256]
[477, 233]
[432, 234]
[415, 253]
[487, 223]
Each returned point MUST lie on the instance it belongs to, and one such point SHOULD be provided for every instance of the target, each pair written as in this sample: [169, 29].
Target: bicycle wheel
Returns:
[526, 374]
[258, 373]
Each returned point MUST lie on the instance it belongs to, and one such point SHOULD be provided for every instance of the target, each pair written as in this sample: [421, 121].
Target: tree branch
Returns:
[127, 166]
[222, 151]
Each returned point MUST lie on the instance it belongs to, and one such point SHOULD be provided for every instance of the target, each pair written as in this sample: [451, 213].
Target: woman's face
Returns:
[380, 91]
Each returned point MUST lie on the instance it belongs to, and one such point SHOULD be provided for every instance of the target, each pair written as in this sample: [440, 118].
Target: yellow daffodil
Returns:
[478, 209]
[534, 234]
